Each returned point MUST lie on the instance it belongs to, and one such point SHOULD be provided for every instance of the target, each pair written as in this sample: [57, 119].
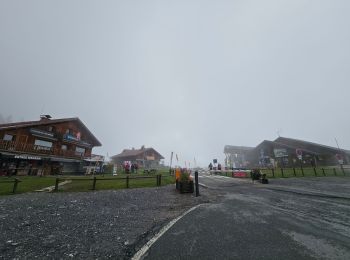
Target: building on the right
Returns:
[289, 152]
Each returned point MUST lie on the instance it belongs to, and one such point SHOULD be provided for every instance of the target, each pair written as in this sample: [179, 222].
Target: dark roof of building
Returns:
[17, 125]
[284, 146]
[303, 145]
[135, 152]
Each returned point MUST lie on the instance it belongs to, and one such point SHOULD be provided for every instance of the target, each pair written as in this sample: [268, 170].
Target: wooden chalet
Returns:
[46, 146]
[144, 157]
[282, 152]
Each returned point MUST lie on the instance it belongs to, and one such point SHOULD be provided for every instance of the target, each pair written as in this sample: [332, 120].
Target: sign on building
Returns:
[299, 153]
[280, 153]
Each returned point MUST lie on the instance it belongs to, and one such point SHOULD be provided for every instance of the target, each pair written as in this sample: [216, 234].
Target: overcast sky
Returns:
[183, 76]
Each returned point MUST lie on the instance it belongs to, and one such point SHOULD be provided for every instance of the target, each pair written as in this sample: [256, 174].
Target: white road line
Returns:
[148, 245]
[201, 184]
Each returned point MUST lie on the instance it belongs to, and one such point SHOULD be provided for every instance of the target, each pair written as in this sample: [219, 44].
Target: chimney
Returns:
[45, 117]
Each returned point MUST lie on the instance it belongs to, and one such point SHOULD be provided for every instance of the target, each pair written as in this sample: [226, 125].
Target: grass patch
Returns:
[113, 183]
[82, 183]
[27, 184]
[306, 172]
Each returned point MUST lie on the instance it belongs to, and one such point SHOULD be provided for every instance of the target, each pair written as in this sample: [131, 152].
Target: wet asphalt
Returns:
[295, 218]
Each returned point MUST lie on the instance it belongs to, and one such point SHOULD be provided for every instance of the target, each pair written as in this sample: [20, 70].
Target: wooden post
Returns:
[273, 173]
[295, 174]
[196, 183]
[282, 173]
[15, 185]
[127, 182]
[160, 180]
[94, 183]
[56, 184]
[342, 169]
[323, 171]
[335, 172]
[315, 171]
[302, 170]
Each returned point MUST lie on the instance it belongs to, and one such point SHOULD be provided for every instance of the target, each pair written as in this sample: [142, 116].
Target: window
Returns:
[64, 147]
[42, 145]
[79, 150]
[51, 128]
[8, 137]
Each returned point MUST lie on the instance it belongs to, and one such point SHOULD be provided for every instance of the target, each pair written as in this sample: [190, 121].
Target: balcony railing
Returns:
[37, 149]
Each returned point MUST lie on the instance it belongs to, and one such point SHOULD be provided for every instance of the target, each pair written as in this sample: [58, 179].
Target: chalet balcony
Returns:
[38, 150]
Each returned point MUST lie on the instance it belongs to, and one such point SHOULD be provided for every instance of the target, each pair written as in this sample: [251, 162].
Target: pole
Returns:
[15, 186]
[301, 167]
[56, 184]
[171, 161]
[94, 183]
[197, 184]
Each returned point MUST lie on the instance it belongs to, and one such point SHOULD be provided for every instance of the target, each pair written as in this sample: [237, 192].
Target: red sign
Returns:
[240, 174]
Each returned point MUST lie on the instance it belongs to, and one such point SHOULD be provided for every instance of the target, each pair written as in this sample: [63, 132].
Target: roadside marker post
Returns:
[56, 184]
[94, 183]
[342, 168]
[159, 180]
[197, 183]
[15, 185]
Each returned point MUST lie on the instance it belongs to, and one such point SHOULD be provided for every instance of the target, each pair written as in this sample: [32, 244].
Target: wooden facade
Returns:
[282, 152]
[144, 157]
[49, 145]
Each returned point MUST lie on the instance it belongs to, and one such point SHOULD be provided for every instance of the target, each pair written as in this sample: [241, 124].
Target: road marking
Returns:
[201, 184]
[148, 245]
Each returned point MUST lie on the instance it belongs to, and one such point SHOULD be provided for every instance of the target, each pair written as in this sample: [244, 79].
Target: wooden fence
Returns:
[126, 179]
[15, 184]
[94, 180]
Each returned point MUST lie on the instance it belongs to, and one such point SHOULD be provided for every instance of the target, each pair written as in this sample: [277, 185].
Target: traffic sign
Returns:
[340, 158]
[299, 153]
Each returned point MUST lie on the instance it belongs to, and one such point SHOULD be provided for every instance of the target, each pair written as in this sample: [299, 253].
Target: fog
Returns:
[182, 76]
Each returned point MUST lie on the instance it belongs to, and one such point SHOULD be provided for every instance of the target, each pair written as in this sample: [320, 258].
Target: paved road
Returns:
[305, 218]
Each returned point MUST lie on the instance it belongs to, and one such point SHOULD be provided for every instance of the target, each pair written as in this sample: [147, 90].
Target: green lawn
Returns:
[308, 172]
[116, 182]
[27, 184]
[83, 183]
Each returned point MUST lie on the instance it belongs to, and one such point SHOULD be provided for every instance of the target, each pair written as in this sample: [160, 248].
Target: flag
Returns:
[171, 158]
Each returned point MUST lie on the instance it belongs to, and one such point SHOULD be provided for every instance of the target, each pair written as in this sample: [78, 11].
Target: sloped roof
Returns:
[17, 125]
[285, 146]
[135, 152]
[233, 148]
[301, 144]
